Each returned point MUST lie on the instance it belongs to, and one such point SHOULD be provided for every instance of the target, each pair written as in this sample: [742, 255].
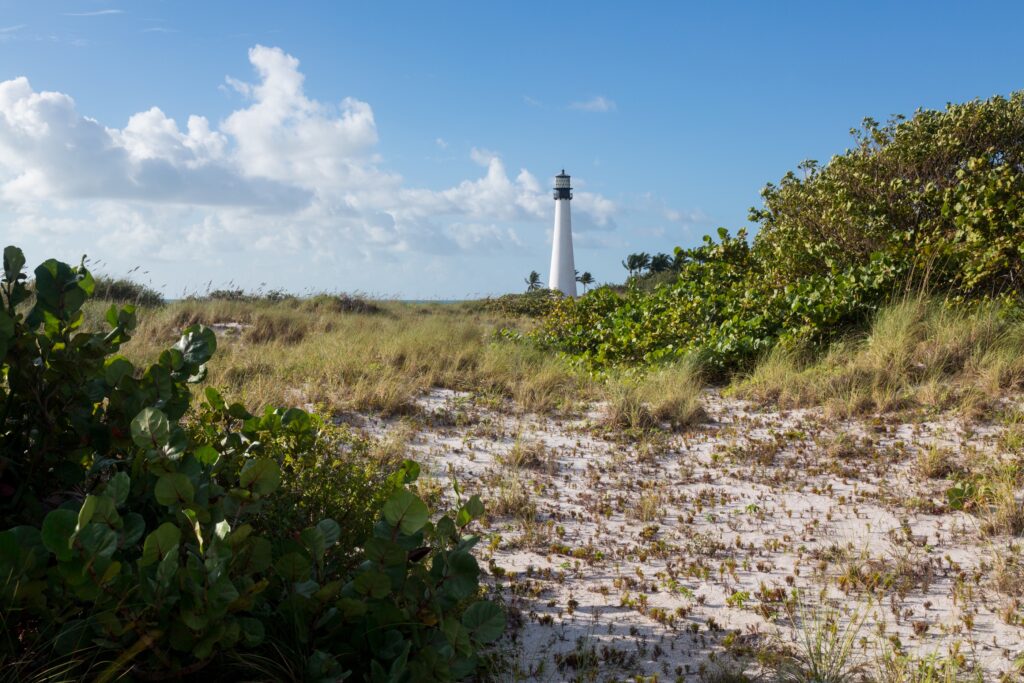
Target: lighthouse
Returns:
[563, 269]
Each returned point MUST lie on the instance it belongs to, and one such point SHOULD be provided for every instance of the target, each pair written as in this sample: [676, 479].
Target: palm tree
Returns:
[533, 282]
[635, 263]
[660, 263]
[585, 279]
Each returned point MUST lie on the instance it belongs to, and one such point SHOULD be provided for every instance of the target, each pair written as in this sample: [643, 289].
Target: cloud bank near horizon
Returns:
[284, 174]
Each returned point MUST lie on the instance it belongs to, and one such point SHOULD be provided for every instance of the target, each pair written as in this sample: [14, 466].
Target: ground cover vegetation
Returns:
[156, 533]
[933, 203]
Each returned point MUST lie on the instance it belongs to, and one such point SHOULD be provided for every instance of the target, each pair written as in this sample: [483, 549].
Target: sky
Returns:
[408, 149]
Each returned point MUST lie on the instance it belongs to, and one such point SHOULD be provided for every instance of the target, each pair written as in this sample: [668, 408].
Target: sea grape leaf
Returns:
[58, 527]
[485, 621]
[260, 475]
[404, 510]
[150, 428]
[174, 489]
[159, 543]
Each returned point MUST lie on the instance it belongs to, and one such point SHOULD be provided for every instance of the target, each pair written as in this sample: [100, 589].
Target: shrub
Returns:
[158, 535]
[933, 203]
[125, 291]
[341, 303]
[532, 304]
[915, 188]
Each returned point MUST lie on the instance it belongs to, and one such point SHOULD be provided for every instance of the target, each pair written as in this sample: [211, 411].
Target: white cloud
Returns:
[441, 142]
[11, 29]
[484, 157]
[595, 104]
[281, 174]
[49, 151]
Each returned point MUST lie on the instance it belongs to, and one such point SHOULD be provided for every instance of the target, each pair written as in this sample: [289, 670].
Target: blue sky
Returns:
[407, 149]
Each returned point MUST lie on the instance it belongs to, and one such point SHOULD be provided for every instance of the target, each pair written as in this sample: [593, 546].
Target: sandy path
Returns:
[616, 560]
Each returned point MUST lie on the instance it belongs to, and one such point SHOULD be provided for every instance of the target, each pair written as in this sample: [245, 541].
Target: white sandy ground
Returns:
[671, 562]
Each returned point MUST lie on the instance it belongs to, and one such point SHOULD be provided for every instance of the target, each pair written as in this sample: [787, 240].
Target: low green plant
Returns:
[892, 666]
[149, 537]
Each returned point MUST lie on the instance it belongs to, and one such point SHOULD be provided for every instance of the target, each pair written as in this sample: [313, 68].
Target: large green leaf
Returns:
[485, 621]
[58, 527]
[293, 567]
[159, 543]
[118, 488]
[14, 261]
[471, 510]
[115, 369]
[197, 345]
[404, 510]
[314, 541]
[98, 540]
[174, 489]
[206, 455]
[150, 428]
[463, 575]
[373, 583]
[330, 529]
[260, 475]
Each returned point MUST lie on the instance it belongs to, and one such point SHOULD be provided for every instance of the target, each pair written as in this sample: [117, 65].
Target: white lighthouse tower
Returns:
[563, 269]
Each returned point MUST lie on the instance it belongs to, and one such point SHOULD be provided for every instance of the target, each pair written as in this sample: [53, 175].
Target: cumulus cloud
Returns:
[282, 173]
[596, 104]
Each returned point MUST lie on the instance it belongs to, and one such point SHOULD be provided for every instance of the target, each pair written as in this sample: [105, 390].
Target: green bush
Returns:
[341, 303]
[932, 203]
[125, 291]
[898, 191]
[533, 304]
[155, 539]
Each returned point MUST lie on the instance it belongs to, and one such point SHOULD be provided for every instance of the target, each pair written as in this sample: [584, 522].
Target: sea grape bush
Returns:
[152, 531]
[932, 203]
[897, 191]
[718, 309]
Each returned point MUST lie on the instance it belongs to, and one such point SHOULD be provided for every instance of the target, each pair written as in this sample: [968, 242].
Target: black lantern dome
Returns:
[562, 188]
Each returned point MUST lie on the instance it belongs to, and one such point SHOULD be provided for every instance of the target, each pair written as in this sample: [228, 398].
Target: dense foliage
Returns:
[534, 303]
[150, 535]
[932, 202]
[125, 291]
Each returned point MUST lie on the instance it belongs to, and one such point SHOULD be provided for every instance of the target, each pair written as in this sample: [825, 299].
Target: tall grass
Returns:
[916, 353]
[667, 394]
[375, 356]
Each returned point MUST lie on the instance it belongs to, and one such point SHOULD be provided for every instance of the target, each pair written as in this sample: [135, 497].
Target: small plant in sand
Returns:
[824, 647]
[893, 666]
[531, 454]
[935, 462]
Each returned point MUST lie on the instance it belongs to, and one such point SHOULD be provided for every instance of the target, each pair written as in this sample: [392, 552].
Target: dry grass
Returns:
[366, 356]
[917, 353]
[935, 462]
[1003, 511]
[667, 394]
[530, 454]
